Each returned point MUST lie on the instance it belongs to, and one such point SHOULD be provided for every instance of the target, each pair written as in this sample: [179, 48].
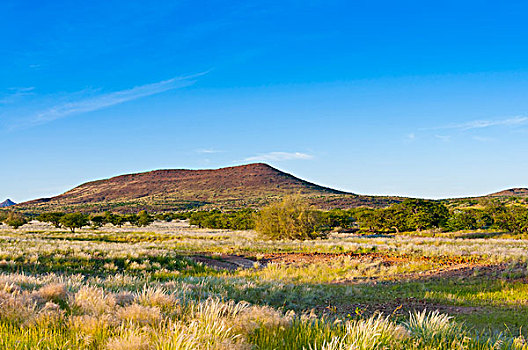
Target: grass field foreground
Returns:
[171, 286]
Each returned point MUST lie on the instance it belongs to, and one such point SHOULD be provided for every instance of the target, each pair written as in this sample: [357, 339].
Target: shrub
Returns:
[409, 215]
[235, 220]
[97, 220]
[337, 218]
[168, 217]
[513, 218]
[74, 220]
[144, 219]
[288, 219]
[52, 218]
[15, 220]
[114, 219]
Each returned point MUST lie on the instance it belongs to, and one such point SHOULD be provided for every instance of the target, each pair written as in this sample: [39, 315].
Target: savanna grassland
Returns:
[171, 286]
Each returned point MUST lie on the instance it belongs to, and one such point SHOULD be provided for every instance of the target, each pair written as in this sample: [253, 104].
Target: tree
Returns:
[132, 219]
[288, 219]
[164, 217]
[52, 218]
[421, 214]
[74, 220]
[114, 219]
[233, 220]
[15, 220]
[337, 218]
[462, 220]
[144, 219]
[371, 219]
[97, 220]
[513, 218]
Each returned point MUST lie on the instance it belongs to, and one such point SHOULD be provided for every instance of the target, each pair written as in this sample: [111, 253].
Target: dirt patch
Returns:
[309, 258]
[225, 262]
[445, 267]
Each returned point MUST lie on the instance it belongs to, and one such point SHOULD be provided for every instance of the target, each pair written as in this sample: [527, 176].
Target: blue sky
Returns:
[374, 97]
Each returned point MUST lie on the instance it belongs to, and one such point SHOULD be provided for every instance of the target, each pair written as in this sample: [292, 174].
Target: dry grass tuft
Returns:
[142, 315]
[128, 340]
[94, 301]
[54, 292]
[250, 319]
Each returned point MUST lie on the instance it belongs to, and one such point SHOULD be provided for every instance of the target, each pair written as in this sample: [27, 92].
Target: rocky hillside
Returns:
[234, 187]
[512, 192]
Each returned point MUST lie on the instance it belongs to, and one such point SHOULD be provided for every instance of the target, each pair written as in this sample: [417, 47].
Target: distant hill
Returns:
[249, 185]
[7, 203]
[512, 192]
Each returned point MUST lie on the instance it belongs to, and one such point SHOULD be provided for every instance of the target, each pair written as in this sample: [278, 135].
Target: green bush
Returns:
[337, 218]
[15, 220]
[409, 215]
[52, 218]
[144, 219]
[288, 219]
[74, 220]
[97, 220]
[235, 220]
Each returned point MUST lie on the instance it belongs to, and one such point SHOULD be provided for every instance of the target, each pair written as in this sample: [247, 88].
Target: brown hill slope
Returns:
[159, 190]
[512, 192]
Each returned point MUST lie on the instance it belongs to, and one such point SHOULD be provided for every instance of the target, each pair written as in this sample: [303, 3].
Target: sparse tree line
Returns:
[418, 214]
[73, 221]
[293, 219]
[233, 220]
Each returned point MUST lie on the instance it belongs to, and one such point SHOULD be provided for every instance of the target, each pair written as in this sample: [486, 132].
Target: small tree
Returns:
[15, 220]
[114, 219]
[132, 219]
[288, 219]
[144, 219]
[420, 214]
[74, 220]
[97, 220]
[513, 218]
[52, 218]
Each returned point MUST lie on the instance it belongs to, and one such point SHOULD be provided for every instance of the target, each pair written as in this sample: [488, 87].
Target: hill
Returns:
[7, 203]
[512, 192]
[249, 185]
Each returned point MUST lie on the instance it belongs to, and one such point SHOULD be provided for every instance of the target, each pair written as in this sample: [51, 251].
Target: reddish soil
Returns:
[224, 262]
[447, 267]
[307, 258]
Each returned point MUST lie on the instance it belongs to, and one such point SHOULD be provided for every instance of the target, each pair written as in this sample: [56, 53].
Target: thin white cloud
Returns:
[208, 151]
[278, 156]
[16, 93]
[481, 124]
[79, 104]
[111, 99]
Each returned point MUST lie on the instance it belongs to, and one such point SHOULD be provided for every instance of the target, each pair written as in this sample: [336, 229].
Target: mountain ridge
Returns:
[7, 203]
[250, 185]
[510, 192]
